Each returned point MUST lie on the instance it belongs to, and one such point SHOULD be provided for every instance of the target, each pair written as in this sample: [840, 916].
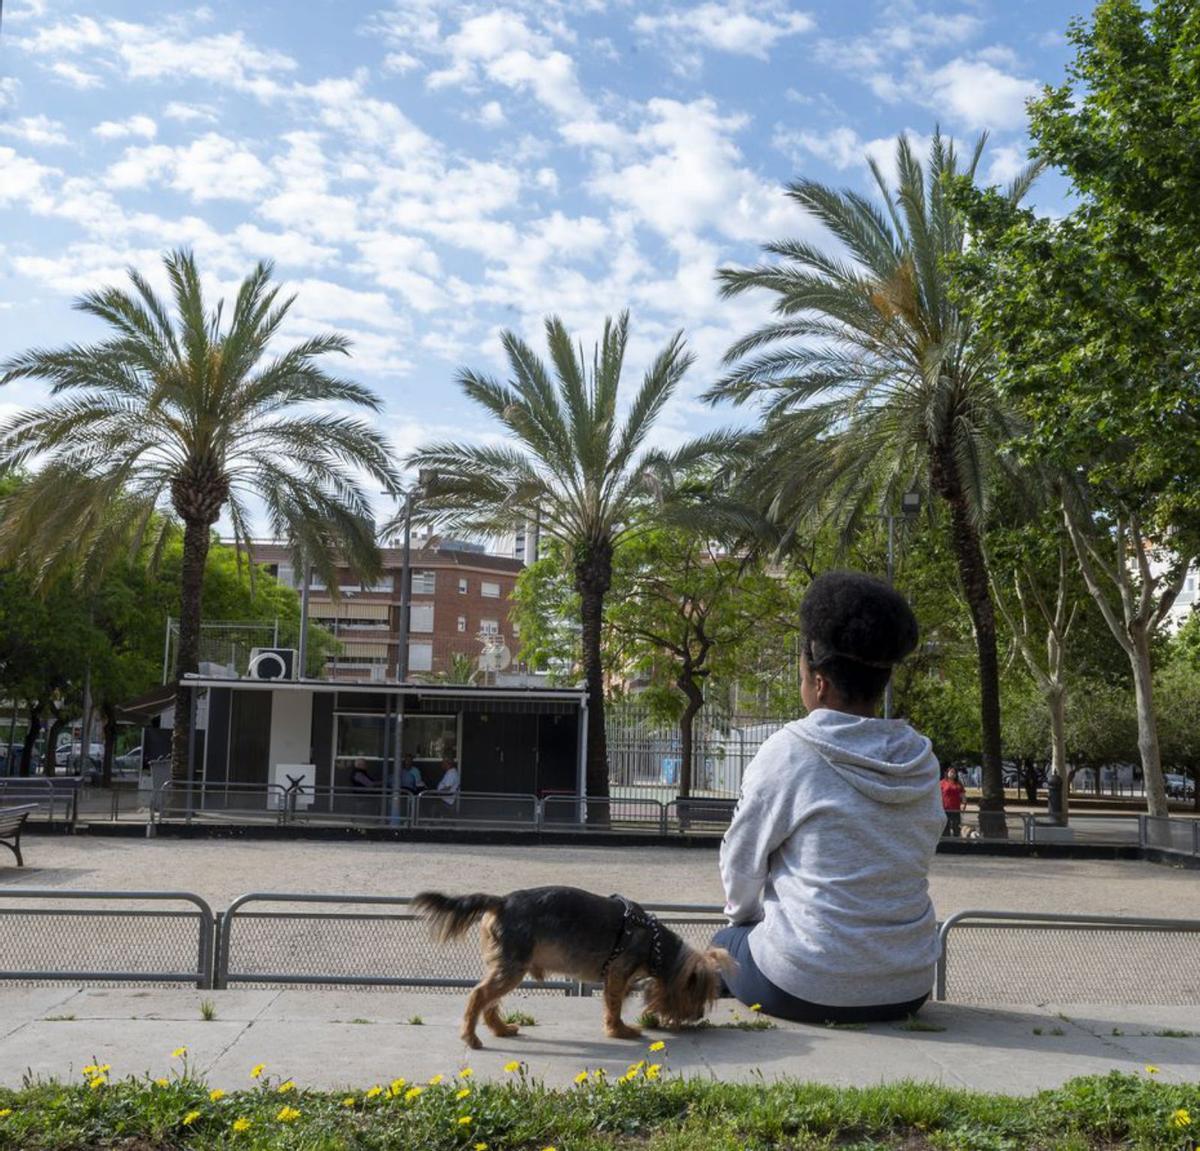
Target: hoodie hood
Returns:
[883, 759]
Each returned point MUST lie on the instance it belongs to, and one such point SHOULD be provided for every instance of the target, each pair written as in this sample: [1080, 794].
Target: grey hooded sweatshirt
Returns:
[828, 854]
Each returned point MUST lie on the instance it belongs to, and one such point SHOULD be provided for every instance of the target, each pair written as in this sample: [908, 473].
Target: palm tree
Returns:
[569, 463]
[185, 413]
[871, 379]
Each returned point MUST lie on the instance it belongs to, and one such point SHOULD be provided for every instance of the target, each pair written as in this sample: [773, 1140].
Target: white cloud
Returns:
[210, 168]
[141, 126]
[79, 34]
[24, 180]
[975, 93]
[39, 131]
[491, 115]
[743, 28]
[841, 147]
[186, 113]
[398, 63]
[26, 10]
[75, 76]
[139, 167]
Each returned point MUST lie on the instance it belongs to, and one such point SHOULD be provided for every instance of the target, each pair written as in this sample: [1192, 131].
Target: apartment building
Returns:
[459, 595]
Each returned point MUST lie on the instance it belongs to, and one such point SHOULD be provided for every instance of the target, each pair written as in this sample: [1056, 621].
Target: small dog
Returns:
[602, 940]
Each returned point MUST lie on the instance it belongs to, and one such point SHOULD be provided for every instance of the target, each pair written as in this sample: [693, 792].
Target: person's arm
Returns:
[762, 820]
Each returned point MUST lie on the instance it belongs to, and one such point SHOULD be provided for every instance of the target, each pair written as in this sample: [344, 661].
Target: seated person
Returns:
[360, 777]
[411, 778]
[447, 787]
[825, 863]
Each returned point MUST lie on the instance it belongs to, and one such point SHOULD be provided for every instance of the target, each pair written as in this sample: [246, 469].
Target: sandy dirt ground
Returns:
[219, 870]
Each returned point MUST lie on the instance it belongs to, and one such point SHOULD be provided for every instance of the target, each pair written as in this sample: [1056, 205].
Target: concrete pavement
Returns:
[354, 1039]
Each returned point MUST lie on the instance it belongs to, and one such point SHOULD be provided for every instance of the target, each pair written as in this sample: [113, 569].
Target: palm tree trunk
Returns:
[972, 571]
[50, 763]
[593, 577]
[187, 656]
[31, 734]
[110, 743]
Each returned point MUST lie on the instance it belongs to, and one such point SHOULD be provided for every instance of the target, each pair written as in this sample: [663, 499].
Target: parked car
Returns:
[1180, 786]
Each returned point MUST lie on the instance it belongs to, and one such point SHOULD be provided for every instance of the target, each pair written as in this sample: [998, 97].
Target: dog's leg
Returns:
[484, 999]
[616, 988]
[496, 1025]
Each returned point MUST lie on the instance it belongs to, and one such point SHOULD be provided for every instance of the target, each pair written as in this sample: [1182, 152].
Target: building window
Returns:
[462, 585]
[420, 617]
[489, 590]
[420, 657]
[489, 627]
[423, 583]
[462, 623]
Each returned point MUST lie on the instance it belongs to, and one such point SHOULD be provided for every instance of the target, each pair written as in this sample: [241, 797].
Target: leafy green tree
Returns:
[872, 379]
[569, 462]
[688, 613]
[194, 414]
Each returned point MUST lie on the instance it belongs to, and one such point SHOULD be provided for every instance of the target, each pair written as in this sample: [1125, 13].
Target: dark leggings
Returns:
[751, 986]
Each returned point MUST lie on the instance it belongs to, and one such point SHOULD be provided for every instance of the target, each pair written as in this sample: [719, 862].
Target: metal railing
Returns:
[57, 943]
[218, 802]
[1084, 827]
[614, 813]
[1063, 959]
[340, 948]
[48, 792]
[1164, 834]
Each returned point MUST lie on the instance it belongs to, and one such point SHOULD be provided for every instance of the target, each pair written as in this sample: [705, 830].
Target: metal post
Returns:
[405, 591]
[302, 654]
[12, 734]
[167, 652]
[891, 575]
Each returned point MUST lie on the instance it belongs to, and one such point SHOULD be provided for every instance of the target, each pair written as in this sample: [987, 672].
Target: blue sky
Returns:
[425, 173]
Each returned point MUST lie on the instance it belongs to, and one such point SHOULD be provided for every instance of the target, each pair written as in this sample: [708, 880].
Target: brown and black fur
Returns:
[573, 932]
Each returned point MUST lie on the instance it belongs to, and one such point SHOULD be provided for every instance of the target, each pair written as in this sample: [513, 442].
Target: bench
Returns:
[42, 792]
[12, 820]
[712, 812]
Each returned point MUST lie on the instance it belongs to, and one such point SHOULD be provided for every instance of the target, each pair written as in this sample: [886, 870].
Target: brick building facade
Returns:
[457, 595]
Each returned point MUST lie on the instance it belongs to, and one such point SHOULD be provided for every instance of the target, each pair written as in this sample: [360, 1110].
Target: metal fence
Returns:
[1014, 957]
[57, 796]
[124, 943]
[1178, 835]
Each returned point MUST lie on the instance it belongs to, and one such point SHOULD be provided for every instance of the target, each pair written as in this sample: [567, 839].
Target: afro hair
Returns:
[856, 629]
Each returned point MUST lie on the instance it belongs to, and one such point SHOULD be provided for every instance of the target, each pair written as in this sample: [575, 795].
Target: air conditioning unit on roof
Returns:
[272, 663]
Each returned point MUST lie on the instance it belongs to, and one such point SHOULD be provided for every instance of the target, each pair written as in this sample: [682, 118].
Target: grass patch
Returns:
[1173, 1033]
[59, 1018]
[208, 1010]
[361, 1022]
[416, 1021]
[519, 1019]
[915, 1023]
[655, 1113]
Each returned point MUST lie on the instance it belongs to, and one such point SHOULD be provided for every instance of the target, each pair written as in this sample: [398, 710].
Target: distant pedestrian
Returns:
[953, 800]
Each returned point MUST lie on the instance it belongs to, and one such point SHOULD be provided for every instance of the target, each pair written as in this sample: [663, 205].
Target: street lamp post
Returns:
[910, 506]
[425, 480]
[302, 645]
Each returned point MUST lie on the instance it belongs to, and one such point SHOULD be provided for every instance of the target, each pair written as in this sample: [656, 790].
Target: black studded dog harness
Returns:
[633, 917]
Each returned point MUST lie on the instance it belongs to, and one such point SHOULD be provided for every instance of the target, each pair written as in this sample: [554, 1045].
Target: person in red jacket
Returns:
[953, 800]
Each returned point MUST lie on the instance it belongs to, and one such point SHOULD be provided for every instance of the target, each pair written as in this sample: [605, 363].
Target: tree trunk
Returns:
[1056, 701]
[50, 759]
[187, 657]
[1143, 691]
[972, 571]
[35, 728]
[110, 743]
[695, 701]
[593, 577]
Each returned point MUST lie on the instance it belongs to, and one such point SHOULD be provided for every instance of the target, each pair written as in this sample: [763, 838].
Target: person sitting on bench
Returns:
[361, 778]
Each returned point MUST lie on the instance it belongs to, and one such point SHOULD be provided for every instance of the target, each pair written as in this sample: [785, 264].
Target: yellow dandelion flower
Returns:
[658, 1045]
[548, 1149]
[190, 1118]
[287, 1115]
[1151, 1069]
[398, 1085]
[5, 1112]
[257, 1070]
[373, 1091]
[285, 1087]
[480, 1147]
[654, 1071]
[349, 1101]
[465, 1073]
[241, 1124]
[1181, 1117]
[435, 1080]
[463, 1120]
[755, 1006]
[162, 1083]
[463, 1093]
[216, 1095]
[513, 1066]
[582, 1077]
[104, 1068]
[179, 1053]
[412, 1093]
[90, 1069]
[99, 1081]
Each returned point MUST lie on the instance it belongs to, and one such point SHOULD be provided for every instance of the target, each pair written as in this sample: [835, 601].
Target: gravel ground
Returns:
[219, 870]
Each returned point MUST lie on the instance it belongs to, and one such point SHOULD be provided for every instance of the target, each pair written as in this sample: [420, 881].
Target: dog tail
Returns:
[450, 915]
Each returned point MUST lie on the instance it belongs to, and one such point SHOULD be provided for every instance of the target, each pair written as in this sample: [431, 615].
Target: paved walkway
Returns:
[355, 1039]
